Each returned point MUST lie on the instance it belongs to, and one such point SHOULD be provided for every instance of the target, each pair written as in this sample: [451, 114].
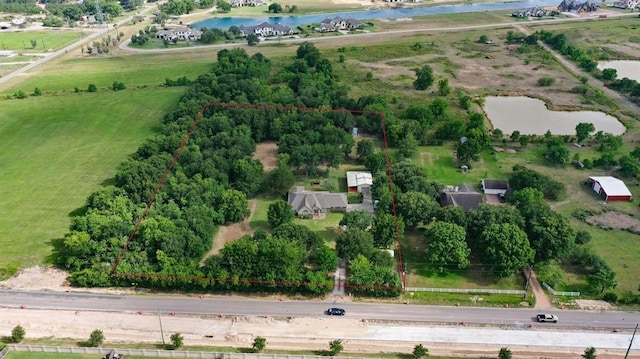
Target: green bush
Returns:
[610, 297]
[546, 81]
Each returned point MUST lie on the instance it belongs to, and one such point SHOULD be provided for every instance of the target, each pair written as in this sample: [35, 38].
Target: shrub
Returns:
[96, 338]
[259, 343]
[176, 340]
[17, 334]
[610, 297]
[92, 88]
[546, 81]
[118, 85]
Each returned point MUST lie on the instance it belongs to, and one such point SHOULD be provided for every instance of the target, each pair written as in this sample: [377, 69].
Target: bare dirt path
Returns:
[542, 300]
[231, 232]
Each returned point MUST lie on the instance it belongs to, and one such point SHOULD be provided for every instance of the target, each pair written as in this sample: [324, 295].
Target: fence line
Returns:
[566, 294]
[4, 352]
[466, 290]
[158, 353]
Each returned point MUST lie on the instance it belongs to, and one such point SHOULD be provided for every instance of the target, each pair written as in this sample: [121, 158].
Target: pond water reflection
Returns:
[531, 117]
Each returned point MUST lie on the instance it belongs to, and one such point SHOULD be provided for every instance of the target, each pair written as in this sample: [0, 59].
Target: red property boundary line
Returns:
[401, 267]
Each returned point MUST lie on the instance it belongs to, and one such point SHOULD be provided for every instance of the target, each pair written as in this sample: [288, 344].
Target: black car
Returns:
[335, 311]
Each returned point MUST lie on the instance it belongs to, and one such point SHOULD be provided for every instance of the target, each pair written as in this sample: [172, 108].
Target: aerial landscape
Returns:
[308, 178]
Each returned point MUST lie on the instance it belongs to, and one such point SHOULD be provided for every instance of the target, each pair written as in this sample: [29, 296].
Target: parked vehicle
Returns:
[547, 318]
[335, 311]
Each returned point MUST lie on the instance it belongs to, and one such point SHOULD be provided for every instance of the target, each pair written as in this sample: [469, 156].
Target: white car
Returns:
[547, 318]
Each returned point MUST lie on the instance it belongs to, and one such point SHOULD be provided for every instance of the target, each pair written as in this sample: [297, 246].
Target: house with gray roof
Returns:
[265, 30]
[463, 195]
[315, 203]
[338, 23]
[179, 33]
[578, 6]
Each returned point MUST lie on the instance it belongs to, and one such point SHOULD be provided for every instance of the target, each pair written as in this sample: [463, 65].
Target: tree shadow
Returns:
[324, 353]
[56, 257]
[80, 211]
[247, 350]
[108, 182]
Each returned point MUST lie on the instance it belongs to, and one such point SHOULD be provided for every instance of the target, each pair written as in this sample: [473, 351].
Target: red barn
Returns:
[610, 188]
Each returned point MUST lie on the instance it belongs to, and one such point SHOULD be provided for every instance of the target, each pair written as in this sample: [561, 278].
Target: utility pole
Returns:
[631, 342]
[161, 331]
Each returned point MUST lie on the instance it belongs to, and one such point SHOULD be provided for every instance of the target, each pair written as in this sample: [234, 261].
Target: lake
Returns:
[626, 68]
[531, 117]
[225, 21]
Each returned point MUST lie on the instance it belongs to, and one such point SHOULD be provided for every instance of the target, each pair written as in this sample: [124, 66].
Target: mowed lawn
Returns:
[56, 151]
[134, 71]
[45, 40]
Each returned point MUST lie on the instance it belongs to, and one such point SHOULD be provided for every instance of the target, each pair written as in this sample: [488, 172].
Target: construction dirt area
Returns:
[310, 334]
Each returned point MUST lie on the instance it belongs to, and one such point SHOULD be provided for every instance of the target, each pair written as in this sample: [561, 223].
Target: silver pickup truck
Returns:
[547, 318]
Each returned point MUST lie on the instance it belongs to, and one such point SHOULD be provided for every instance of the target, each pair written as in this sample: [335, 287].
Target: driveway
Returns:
[367, 202]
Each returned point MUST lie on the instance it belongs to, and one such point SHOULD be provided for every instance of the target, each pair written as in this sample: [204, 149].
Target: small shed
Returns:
[610, 188]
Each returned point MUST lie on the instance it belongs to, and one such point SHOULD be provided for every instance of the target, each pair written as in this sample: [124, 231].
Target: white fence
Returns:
[157, 353]
[566, 294]
[4, 352]
[466, 290]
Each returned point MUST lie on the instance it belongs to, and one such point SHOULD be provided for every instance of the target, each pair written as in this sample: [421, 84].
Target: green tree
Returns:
[351, 243]
[419, 352]
[364, 148]
[424, 78]
[550, 234]
[384, 230]
[583, 130]
[280, 180]
[505, 248]
[359, 220]
[279, 212]
[589, 353]
[504, 353]
[275, 8]
[483, 39]
[176, 340]
[485, 215]
[557, 152]
[118, 86]
[247, 175]
[628, 166]
[446, 246]
[252, 39]
[335, 347]
[515, 136]
[234, 206]
[326, 258]
[92, 88]
[602, 279]
[609, 74]
[443, 87]
[468, 151]
[223, 6]
[259, 343]
[37, 92]
[416, 208]
[17, 334]
[96, 338]
[452, 214]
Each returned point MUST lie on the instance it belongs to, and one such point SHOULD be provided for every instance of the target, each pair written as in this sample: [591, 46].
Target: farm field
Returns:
[56, 151]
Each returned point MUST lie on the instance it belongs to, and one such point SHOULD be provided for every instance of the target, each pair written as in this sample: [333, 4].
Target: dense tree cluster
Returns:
[212, 179]
[76, 10]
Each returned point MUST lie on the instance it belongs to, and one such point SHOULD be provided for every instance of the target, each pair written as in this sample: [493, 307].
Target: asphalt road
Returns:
[255, 307]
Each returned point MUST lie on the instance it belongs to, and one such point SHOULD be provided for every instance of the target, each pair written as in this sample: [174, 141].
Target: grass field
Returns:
[45, 40]
[56, 151]
[134, 71]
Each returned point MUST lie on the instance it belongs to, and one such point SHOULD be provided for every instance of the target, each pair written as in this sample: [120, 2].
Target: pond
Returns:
[391, 13]
[531, 117]
[626, 68]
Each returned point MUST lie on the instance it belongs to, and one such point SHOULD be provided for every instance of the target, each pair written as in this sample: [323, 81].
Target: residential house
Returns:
[241, 3]
[266, 29]
[314, 203]
[490, 186]
[578, 6]
[356, 181]
[610, 188]
[338, 23]
[463, 195]
[532, 11]
[626, 4]
[179, 33]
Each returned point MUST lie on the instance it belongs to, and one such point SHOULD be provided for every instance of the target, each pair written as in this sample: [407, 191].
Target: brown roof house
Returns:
[313, 204]
[461, 196]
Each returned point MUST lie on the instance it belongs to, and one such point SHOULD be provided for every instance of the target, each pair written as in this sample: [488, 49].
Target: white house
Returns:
[266, 29]
[180, 33]
[490, 186]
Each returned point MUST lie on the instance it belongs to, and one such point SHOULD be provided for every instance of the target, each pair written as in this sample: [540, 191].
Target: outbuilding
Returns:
[492, 186]
[610, 188]
[357, 180]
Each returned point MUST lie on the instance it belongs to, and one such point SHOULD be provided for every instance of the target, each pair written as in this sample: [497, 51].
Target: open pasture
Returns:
[55, 152]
